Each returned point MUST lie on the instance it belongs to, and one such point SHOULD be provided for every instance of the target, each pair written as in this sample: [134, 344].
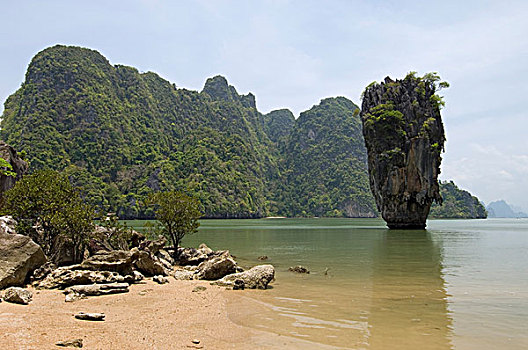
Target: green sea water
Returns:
[460, 284]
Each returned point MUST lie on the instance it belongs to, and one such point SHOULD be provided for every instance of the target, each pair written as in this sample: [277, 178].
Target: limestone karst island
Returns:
[212, 175]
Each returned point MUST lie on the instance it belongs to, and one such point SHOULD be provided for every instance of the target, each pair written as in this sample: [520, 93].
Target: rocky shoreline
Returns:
[26, 277]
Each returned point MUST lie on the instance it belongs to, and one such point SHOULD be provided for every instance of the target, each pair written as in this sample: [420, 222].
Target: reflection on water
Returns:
[461, 284]
[384, 289]
[409, 301]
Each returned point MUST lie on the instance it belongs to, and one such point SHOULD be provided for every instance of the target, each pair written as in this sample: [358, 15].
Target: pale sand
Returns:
[150, 316]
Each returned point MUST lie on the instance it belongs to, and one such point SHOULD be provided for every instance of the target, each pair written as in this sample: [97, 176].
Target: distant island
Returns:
[501, 209]
[119, 134]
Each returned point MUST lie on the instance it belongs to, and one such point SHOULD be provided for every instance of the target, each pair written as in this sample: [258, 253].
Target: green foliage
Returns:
[6, 168]
[388, 127]
[457, 204]
[50, 210]
[120, 134]
[434, 84]
[177, 214]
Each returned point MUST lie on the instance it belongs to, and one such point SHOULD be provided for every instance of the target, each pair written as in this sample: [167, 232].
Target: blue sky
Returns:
[291, 54]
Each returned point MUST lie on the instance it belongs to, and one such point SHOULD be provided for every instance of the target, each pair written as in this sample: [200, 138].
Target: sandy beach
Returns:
[150, 316]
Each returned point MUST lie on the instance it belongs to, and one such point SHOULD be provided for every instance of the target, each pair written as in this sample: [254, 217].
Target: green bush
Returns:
[50, 210]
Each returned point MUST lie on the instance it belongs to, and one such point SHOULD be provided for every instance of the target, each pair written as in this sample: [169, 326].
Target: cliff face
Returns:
[404, 136]
[325, 162]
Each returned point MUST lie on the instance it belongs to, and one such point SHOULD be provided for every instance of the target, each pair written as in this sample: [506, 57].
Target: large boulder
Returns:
[119, 261]
[190, 256]
[19, 166]
[404, 136]
[257, 277]
[193, 256]
[183, 275]
[19, 257]
[18, 295]
[68, 276]
[148, 264]
[216, 267]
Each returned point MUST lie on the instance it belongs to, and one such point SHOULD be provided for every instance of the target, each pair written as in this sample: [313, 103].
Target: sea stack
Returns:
[404, 136]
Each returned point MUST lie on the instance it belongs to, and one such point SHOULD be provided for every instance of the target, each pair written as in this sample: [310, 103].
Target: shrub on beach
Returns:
[51, 211]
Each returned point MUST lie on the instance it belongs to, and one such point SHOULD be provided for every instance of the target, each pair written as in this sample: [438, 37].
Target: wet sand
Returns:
[150, 316]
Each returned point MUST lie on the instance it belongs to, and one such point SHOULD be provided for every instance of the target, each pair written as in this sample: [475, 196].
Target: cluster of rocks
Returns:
[220, 267]
[109, 271]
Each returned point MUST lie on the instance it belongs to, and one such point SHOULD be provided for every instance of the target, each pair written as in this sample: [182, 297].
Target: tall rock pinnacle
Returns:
[404, 137]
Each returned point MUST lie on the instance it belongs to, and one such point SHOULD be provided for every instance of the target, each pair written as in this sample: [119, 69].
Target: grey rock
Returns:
[263, 257]
[99, 240]
[148, 264]
[68, 276]
[167, 265]
[190, 256]
[19, 257]
[160, 279]
[98, 289]
[119, 261]
[299, 269]
[162, 254]
[73, 296]
[205, 249]
[136, 238]
[216, 267]
[41, 273]
[17, 295]
[138, 276]
[257, 277]
[183, 275]
[73, 343]
[90, 316]
[198, 289]
[239, 284]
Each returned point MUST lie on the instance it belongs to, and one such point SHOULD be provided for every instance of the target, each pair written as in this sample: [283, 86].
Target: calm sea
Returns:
[460, 284]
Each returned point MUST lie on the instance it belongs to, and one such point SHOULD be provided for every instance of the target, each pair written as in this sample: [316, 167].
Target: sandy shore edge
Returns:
[150, 316]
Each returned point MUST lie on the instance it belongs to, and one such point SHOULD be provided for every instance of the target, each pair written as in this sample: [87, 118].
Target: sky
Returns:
[291, 54]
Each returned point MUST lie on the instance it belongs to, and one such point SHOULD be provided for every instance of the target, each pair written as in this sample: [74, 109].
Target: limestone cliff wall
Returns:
[404, 136]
